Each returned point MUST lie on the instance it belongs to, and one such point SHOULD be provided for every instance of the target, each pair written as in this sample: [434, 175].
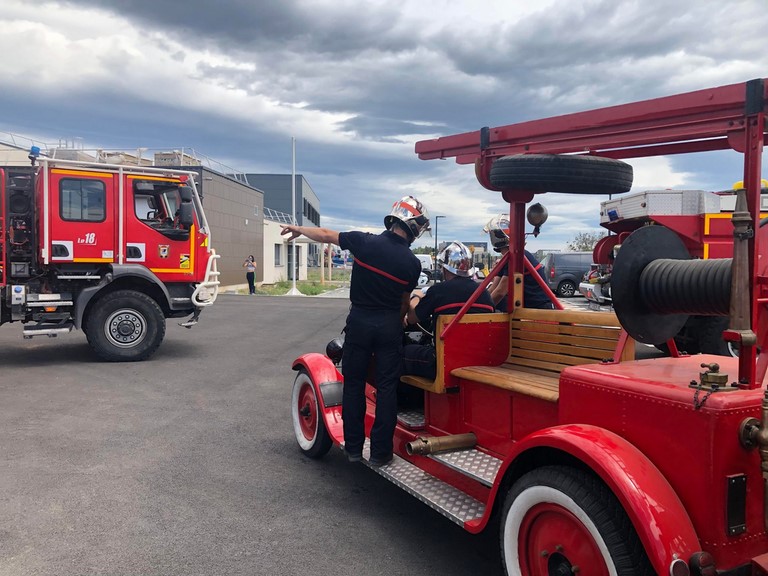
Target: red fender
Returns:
[327, 381]
[653, 507]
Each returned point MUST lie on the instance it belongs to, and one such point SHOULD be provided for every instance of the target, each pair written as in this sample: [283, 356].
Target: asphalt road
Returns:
[186, 464]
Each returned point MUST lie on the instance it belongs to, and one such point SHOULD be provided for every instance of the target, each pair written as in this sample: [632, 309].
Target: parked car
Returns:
[339, 262]
[427, 266]
[563, 271]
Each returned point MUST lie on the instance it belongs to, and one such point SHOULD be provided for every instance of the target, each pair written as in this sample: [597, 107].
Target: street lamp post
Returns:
[435, 261]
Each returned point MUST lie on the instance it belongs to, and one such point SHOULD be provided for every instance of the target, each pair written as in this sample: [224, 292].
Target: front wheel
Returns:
[308, 425]
[125, 326]
[560, 520]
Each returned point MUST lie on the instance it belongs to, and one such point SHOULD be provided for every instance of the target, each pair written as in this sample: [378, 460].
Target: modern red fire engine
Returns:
[542, 421]
[113, 250]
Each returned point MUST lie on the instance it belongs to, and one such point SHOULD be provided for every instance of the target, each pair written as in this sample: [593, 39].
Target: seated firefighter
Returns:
[447, 297]
[533, 294]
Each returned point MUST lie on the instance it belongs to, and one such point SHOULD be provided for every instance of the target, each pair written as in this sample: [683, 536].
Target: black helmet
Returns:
[335, 349]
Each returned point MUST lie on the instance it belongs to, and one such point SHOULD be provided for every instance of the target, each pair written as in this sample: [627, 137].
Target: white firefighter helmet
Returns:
[411, 213]
[498, 231]
[456, 258]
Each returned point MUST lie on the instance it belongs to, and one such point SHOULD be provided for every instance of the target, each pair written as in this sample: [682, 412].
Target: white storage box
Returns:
[641, 205]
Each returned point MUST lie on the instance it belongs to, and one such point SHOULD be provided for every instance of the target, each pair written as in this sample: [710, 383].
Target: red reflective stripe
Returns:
[378, 271]
[460, 304]
[408, 207]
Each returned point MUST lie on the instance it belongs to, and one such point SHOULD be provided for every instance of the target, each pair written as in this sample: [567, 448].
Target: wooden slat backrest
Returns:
[551, 340]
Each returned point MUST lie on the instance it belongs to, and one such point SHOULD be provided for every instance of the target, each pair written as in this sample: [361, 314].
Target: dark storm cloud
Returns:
[370, 62]
[246, 26]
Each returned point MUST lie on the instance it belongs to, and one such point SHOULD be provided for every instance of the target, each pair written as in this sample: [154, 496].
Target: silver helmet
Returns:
[411, 213]
[456, 258]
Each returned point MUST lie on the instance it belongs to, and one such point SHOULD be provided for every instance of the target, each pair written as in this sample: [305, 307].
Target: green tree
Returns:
[585, 241]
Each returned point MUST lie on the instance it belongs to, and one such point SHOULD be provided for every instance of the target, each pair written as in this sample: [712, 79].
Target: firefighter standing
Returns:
[384, 274]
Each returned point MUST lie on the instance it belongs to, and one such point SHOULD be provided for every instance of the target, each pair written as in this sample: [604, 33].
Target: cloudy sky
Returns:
[357, 83]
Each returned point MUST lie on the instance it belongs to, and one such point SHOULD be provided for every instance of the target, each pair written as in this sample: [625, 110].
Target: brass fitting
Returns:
[434, 444]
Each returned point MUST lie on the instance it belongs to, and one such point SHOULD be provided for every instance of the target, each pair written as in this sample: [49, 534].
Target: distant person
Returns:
[384, 272]
[446, 297]
[533, 294]
[250, 274]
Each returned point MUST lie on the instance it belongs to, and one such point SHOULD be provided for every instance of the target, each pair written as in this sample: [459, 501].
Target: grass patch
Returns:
[309, 287]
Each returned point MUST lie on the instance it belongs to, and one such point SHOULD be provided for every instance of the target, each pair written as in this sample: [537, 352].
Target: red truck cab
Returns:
[110, 249]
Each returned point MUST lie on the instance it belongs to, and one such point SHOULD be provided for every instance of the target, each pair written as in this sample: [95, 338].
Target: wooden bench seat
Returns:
[543, 343]
[511, 377]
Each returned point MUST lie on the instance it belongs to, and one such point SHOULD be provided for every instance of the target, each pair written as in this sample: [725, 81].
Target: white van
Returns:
[426, 261]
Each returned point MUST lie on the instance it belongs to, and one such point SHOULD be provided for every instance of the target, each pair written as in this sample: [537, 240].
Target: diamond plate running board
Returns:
[473, 463]
[411, 419]
[438, 495]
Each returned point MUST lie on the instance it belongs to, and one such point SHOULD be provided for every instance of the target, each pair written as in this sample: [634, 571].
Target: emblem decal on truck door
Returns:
[163, 249]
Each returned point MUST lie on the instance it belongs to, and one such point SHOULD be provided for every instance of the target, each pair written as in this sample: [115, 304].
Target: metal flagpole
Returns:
[294, 267]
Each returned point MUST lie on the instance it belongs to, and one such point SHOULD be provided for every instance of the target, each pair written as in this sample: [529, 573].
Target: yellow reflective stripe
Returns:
[161, 178]
[80, 173]
[93, 260]
[173, 270]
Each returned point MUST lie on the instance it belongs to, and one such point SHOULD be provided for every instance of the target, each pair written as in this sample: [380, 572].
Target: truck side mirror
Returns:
[186, 215]
[185, 192]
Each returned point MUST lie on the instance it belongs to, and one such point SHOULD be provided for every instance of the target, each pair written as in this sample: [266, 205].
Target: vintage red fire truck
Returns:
[542, 422]
[112, 250]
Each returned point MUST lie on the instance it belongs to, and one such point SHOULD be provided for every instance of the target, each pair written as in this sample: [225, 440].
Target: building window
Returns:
[278, 254]
[255, 210]
[82, 200]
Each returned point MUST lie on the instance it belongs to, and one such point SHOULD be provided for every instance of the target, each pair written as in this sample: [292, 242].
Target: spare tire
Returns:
[569, 174]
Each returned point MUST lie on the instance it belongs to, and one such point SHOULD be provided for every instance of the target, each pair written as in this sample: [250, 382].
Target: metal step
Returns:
[473, 463]
[46, 330]
[438, 495]
[77, 277]
[412, 419]
[47, 303]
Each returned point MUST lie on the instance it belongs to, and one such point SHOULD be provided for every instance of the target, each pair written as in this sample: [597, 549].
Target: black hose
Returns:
[701, 287]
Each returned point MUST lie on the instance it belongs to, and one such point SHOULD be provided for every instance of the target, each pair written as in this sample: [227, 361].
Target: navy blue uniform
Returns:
[383, 270]
[533, 295]
[443, 298]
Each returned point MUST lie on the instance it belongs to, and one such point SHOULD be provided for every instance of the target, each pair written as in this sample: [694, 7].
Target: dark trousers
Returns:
[377, 335]
[251, 286]
[420, 360]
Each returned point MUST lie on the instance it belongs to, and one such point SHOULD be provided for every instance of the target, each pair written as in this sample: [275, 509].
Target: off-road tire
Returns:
[125, 326]
[562, 173]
